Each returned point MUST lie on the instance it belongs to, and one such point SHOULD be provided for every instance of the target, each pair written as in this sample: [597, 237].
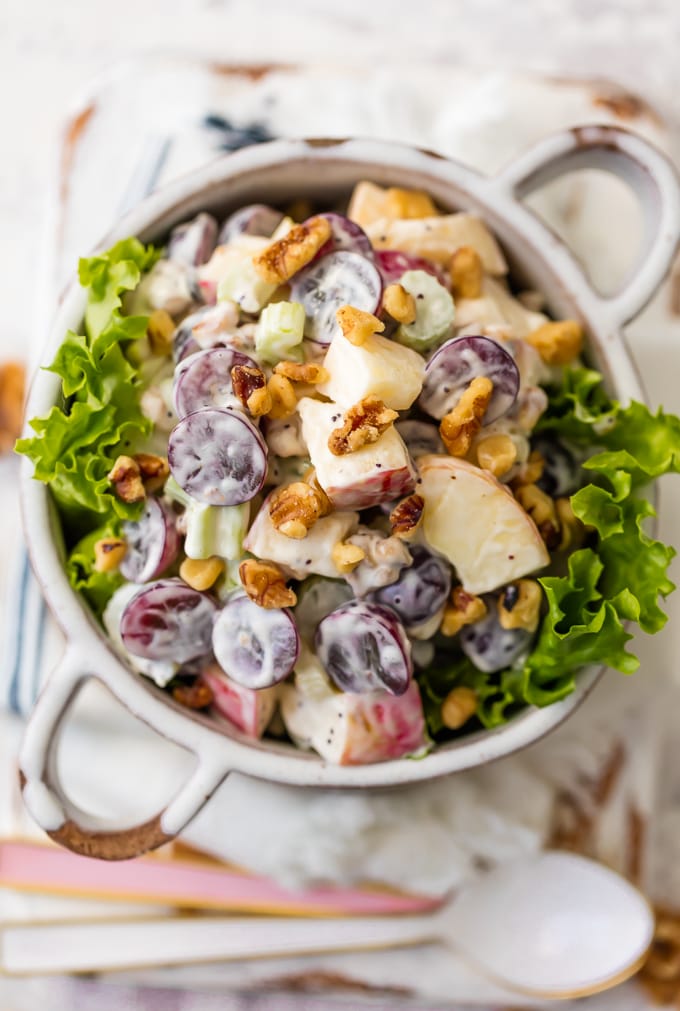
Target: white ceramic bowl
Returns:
[324, 170]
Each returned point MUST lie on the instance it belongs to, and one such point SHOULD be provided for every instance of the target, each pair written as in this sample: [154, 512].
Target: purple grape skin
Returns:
[338, 278]
[255, 647]
[345, 234]
[168, 620]
[491, 647]
[204, 380]
[254, 219]
[393, 264]
[363, 648]
[218, 457]
[152, 543]
[455, 364]
[192, 243]
[421, 590]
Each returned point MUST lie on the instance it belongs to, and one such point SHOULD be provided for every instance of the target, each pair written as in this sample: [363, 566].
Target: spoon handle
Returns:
[90, 947]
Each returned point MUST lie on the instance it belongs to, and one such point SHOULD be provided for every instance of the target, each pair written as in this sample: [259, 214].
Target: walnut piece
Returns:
[295, 508]
[356, 325]
[197, 695]
[363, 424]
[558, 343]
[109, 553]
[346, 556]
[159, 331]
[462, 609]
[265, 584]
[519, 605]
[529, 472]
[496, 453]
[572, 530]
[12, 386]
[305, 372]
[467, 273]
[250, 386]
[201, 573]
[154, 470]
[458, 707]
[459, 427]
[406, 517]
[282, 393]
[310, 478]
[399, 303]
[541, 508]
[126, 478]
[279, 261]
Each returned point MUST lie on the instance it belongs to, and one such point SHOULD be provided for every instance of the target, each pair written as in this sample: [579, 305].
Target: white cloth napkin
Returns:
[433, 836]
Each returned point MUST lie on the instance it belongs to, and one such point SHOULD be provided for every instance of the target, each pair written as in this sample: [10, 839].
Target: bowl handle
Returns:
[647, 171]
[41, 785]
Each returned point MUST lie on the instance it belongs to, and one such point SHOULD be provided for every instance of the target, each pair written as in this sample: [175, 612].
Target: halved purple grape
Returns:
[152, 543]
[254, 219]
[168, 621]
[339, 278]
[491, 647]
[183, 341]
[452, 368]
[393, 264]
[345, 234]
[193, 242]
[364, 648]
[204, 380]
[421, 437]
[218, 457]
[421, 590]
[255, 647]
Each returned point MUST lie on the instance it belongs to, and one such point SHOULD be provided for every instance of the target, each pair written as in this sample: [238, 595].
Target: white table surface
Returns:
[49, 53]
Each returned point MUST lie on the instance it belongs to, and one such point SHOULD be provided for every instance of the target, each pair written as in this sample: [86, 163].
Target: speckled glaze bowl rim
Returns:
[264, 172]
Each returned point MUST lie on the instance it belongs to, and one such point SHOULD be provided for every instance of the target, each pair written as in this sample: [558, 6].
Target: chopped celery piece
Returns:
[215, 530]
[280, 331]
[176, 493]
[435, 311]
[242, 284]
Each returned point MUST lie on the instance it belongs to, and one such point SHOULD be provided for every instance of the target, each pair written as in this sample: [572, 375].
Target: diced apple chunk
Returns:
[496, 306]
[379, 367]
[476, 523]
[376, 473]
[438, 238]
[249, 710]
[349, 729]
[311, 555]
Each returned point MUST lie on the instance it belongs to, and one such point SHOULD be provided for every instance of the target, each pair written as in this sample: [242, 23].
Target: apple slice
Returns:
[249, 710]
[379, 367]
[476, 523]
[379, 472]
[349, 729]
[438, 238]
[496, 307]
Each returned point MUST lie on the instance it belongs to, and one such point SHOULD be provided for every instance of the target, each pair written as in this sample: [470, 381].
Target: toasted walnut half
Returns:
[497, 454]
[529, 472]
[459, 427]
[558, 343]
[541, 508]
[310, 478]
[463, 609]
[519, 605]
[295, 508]
[109, 553]
[467, 273]
[265, 584]
[572, 530]
[363, 424]
[201, 573]
[346, 557]
[197, 695]
[399, 303]
[279, 261]
[250, 386]
[126, 478]
[302, 372]
[282, 393]
[356, 325]
[159, 331]
[153, 469]
[458, 707]
[406, 517]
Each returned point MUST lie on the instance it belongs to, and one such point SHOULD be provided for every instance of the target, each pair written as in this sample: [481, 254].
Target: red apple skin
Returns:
[380, 487]
[249, 710]
[381, 727]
